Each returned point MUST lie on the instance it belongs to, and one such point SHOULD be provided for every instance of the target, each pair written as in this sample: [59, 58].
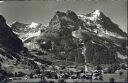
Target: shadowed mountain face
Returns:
[10, 44]
[7, 38]
[10, 47]
[92, 38]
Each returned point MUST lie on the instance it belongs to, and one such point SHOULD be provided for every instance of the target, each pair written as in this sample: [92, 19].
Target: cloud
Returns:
[1, 1]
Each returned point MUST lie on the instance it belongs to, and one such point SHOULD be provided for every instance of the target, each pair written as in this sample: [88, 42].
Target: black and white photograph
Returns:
[63, 41]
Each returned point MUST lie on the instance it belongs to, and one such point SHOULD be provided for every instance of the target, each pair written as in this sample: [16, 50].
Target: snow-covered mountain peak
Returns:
[33, 25]
[91, 16]
[96, 13]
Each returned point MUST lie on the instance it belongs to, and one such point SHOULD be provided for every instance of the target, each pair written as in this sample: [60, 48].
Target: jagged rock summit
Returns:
[102, 24]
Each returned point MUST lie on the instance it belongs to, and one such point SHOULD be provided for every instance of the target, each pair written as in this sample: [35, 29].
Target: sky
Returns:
[43, 11]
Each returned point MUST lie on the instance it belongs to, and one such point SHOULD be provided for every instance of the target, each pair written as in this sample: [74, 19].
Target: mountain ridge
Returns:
[67, 27]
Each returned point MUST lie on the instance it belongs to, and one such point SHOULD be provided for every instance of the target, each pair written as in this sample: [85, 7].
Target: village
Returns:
[71, 74]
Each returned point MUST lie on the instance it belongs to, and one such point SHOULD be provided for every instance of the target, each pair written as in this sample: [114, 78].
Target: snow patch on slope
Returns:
[99, 30]
[93, 17]
[29, 35]
[121, 56]
[96, 13]
[33, 25]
